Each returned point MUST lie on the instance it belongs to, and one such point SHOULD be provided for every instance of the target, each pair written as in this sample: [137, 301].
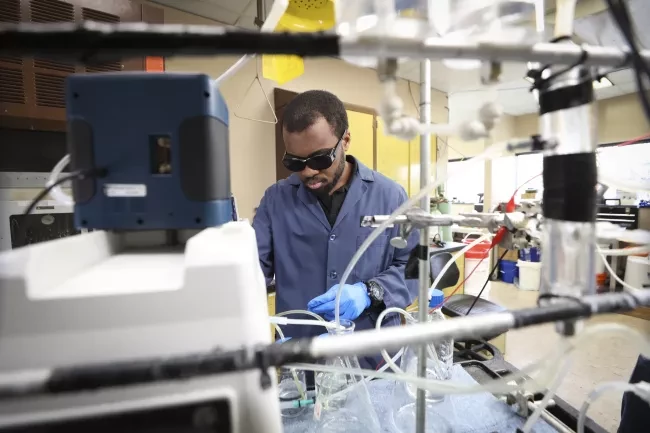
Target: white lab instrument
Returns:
[96, 298]
[49, 220]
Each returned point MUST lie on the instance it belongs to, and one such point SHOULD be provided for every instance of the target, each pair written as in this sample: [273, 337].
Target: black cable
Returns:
[78, 174]
[621, 16]
[489, 277]
[99, 42]
[536, 74]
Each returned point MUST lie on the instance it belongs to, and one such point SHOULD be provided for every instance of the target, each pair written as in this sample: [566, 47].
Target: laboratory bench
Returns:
[471, 413]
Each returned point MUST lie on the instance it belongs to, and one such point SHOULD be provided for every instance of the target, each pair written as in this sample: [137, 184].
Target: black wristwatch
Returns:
[375, 293]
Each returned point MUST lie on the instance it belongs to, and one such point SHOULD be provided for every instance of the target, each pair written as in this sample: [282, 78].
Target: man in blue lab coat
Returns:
[635, 413]
[308, 225]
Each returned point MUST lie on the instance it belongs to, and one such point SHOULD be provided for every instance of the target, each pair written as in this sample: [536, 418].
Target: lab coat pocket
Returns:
[372, 261]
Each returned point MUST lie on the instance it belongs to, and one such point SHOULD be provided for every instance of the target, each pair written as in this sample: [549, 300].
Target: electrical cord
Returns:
[621, 16]
[494, 268]
[75, 175]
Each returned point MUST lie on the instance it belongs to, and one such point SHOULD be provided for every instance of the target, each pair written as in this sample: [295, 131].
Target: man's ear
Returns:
[346, 140]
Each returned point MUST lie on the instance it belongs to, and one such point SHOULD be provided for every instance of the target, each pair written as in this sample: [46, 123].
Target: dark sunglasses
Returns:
[321, 161]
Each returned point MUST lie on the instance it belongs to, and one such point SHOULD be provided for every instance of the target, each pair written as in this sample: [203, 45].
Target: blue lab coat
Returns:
[307, 256]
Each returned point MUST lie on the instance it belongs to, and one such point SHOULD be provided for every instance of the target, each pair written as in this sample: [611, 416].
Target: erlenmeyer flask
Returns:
[342, 400]
[438, 367]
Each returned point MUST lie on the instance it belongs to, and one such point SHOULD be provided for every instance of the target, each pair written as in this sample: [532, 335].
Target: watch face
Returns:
[376, 292]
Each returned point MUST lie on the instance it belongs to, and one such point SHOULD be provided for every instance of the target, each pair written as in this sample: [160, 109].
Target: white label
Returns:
[125, 190]
[317, 410]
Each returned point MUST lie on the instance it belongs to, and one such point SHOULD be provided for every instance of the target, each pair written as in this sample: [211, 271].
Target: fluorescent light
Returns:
[604, 82]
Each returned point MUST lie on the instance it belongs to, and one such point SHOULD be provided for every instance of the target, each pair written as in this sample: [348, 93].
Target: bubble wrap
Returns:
[474, 413]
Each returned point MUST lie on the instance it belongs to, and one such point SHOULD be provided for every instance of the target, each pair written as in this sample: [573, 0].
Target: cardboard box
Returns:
[512, 255]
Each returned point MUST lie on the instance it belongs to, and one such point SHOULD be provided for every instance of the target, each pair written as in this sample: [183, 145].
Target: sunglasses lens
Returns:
[320, 162]
[293, 164]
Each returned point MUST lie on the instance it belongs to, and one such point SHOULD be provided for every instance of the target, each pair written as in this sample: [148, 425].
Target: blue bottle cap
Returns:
[437, 298]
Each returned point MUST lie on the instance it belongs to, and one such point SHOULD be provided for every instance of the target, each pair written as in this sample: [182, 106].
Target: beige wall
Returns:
[252, 144]
[619, 119]
[502, 131]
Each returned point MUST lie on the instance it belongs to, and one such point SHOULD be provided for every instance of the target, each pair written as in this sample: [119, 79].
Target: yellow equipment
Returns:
[300, 16]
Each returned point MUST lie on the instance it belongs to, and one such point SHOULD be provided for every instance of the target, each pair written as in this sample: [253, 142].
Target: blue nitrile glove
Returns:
[354, 299]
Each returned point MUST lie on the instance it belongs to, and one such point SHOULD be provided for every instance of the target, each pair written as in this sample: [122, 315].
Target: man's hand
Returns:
[354, 299]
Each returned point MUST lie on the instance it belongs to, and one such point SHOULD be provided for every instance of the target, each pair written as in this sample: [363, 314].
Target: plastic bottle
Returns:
[444, 349]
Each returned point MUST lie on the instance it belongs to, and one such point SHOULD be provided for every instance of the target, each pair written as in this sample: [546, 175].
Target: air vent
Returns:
[95, 15]
[50, 90]
[54, 65]
[48, 11]
[9, 11]
[12, 89]
[12, 60]
[105, 67]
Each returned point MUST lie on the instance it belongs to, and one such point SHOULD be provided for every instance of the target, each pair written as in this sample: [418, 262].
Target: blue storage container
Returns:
[508, 271]
[529, 255]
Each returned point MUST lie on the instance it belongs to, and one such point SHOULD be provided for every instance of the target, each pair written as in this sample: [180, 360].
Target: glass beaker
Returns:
[292, 388]
[342, 400]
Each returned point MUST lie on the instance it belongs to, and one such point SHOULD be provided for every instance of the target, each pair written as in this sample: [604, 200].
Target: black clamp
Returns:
[539, 83]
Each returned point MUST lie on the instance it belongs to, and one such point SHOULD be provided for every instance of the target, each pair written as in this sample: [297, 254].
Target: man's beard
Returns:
[328, 187]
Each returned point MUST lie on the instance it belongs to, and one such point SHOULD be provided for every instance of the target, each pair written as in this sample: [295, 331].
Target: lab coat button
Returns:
[333, 275]
[332, 237]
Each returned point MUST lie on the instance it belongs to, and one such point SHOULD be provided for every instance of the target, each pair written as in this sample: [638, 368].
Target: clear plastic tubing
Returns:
[504, 385]
[626, 251]
[628, 288]
[552, 390]
[624, 185]
[287, 321]
[308, 313]
[454, 258]
[390, 362]
[232, 70]
[493, 151]
[57, 192]
[596, 393]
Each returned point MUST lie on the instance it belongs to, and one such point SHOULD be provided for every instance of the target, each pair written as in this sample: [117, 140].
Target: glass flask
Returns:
[342, 400]
[511, 21]
[439, 366]
[292, 388]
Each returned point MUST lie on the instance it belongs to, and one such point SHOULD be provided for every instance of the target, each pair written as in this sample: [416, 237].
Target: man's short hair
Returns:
[306, 108]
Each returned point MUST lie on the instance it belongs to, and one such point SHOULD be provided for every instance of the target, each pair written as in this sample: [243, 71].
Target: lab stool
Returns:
[494, 344]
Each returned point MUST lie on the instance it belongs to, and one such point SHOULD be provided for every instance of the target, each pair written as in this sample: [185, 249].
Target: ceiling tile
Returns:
[235, 6]
[202, 8]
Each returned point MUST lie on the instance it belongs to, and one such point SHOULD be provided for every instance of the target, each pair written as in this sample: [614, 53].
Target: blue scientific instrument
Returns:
[163, 141]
